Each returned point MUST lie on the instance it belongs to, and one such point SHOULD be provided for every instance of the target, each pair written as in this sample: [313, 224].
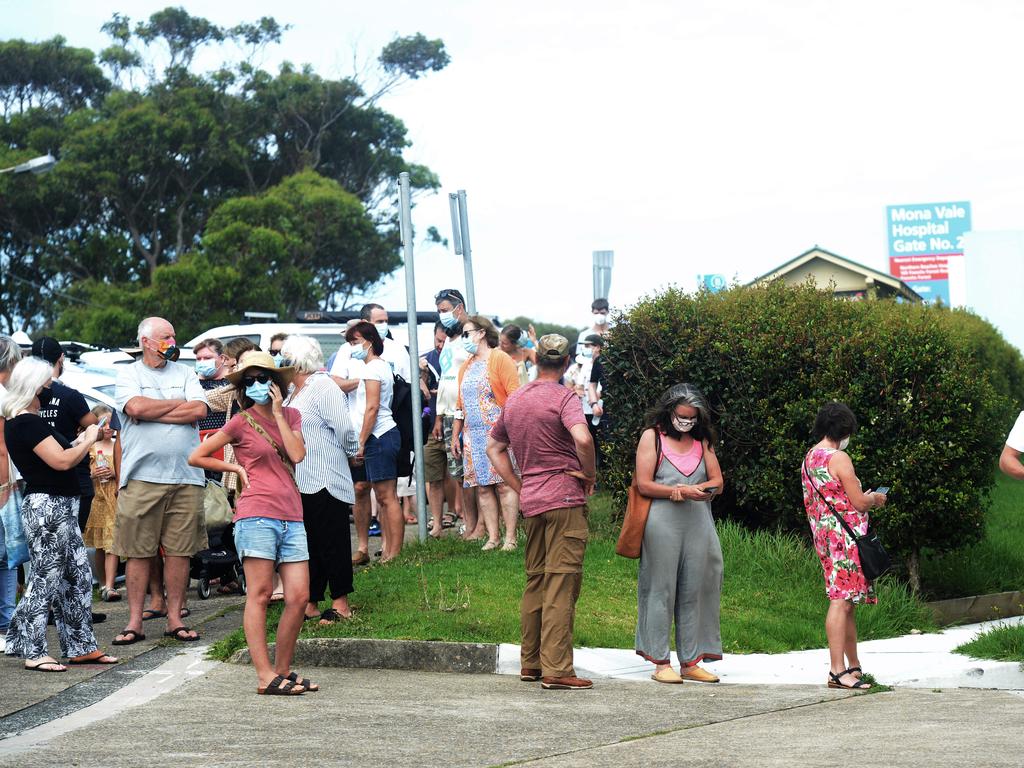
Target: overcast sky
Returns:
[689, 137]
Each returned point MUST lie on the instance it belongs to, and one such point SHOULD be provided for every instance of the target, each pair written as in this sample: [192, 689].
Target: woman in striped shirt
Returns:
[324, 478]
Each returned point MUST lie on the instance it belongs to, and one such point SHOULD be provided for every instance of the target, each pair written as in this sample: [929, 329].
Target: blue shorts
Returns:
[382, 456]
[269, 539]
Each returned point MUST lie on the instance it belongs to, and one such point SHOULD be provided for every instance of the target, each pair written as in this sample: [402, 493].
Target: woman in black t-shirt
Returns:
[60, 568]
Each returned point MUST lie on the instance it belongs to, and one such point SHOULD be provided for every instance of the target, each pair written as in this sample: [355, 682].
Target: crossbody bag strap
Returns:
[842, 522]
[266, 436]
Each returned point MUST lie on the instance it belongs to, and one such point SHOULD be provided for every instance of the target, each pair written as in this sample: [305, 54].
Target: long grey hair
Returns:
[659, 417]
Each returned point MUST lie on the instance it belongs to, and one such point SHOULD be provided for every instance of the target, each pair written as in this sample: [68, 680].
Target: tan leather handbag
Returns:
[638, 507]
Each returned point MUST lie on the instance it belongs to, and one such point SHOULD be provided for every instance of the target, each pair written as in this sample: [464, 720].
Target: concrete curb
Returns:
[977, 608]
[409, 655]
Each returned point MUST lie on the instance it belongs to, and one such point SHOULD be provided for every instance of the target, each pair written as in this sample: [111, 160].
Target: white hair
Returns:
[29, 374]
[10, 353]
[304, 352]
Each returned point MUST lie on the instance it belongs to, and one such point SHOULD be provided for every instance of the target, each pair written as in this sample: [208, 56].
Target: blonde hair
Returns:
[28, 375]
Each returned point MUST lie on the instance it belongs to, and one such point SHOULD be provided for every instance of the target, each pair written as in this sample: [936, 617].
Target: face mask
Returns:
[278, 358]
[448, 319]
[470, 346]
[600, 318]
[843, 443]
[359, 352]
[588, 353]
[206, 368]
[258, 393]
[45, 397]
[168, 350]
[683, 425]
[382, 329]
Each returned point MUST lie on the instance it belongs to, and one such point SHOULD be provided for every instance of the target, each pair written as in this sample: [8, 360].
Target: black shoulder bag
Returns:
[874, 560]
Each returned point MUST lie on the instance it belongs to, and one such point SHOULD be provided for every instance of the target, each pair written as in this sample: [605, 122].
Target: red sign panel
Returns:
[911, 269]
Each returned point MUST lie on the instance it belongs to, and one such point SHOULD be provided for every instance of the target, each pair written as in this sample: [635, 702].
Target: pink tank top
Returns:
[686, 463]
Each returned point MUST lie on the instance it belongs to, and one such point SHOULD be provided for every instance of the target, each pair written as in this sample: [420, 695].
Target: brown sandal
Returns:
[96, 657]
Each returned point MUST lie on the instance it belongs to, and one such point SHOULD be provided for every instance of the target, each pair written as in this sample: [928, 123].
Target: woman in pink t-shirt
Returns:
[267, 440]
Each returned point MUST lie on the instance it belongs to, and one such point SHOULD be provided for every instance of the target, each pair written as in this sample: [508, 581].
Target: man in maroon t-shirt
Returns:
[543, 423]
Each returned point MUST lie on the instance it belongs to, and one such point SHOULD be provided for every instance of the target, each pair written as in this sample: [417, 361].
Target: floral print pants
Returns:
[61, 579]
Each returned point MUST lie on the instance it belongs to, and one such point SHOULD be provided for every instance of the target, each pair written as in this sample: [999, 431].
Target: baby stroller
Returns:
[218, 562]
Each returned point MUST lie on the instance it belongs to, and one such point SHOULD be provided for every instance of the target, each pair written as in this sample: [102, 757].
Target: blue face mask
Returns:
[447, 319]
[470, 346]
[278, 358]
[360, 352]
[206, 368]
[258, 393]
[588, 353]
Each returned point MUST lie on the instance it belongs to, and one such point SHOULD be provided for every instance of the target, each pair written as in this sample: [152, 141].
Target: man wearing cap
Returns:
[160, 499]
[543, 424]
[68, 413]
[451, 310]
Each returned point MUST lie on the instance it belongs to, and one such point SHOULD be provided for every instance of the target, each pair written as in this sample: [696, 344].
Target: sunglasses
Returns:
[262, 378]
[465, 334]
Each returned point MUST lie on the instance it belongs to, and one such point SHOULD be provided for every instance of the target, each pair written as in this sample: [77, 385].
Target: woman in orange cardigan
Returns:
[486, 380]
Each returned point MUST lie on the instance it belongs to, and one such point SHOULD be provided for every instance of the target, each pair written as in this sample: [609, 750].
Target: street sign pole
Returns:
[405, 205]
[460, 238]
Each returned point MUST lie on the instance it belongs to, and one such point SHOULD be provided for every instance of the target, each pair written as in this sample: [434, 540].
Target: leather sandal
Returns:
[834, 682]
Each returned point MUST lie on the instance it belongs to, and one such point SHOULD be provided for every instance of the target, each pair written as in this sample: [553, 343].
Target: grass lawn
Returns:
[996, 563]
[1001, 643]
[773, 598]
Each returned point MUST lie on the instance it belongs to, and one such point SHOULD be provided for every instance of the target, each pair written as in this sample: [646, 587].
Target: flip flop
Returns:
[181, 634]
[279, 686]
[96, 657]
[41, 666]
[136, 637]
[152, 613]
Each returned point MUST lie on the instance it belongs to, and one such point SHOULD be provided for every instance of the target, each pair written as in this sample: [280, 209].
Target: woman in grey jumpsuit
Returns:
[680, 575]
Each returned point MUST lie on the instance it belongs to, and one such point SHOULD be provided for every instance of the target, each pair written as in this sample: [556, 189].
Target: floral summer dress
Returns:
[99, 530]
[481, 412]
[840, 560]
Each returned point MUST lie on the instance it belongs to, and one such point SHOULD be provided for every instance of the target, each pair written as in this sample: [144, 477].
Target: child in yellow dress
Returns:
[99, 531]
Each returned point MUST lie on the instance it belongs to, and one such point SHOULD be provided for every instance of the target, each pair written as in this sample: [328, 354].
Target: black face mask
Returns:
[45, 397]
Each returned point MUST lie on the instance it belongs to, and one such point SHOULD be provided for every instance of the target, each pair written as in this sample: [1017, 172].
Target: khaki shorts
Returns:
[435, 460]
[154, 515]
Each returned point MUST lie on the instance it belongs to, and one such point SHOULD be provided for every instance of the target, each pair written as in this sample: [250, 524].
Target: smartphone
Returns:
[884, 490]
[103, 422]
[710, 489]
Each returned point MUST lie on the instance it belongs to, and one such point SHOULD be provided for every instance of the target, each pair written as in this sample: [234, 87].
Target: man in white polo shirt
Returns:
[1009, 460]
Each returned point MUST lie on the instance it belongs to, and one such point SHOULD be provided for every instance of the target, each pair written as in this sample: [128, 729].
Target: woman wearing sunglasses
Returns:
[267, 440]
[486, 380]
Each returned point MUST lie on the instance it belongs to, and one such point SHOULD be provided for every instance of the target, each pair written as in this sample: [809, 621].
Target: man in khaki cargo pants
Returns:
[543, 423]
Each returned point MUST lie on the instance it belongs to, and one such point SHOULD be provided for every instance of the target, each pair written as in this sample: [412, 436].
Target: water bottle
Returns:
[595, 419]
[102, 463]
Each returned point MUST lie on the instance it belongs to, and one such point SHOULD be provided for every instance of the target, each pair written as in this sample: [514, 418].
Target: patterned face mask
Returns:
[843, 443]
[683, 425]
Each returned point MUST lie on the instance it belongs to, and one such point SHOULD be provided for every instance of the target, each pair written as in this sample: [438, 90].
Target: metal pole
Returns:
[467, 253]
[405, 204]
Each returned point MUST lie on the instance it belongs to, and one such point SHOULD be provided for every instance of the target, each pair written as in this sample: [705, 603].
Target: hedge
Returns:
[933, 392]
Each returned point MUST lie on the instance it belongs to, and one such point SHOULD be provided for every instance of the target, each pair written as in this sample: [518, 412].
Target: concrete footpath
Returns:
[185, 713]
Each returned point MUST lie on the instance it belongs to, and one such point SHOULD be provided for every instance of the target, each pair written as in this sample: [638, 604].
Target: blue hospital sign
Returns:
[930, 228]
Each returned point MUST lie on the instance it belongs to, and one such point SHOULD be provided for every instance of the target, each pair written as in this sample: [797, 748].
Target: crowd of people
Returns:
[294, 444]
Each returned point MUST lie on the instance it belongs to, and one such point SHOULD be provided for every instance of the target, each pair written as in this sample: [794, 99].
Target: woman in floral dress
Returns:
[486, 380]
[827, 468]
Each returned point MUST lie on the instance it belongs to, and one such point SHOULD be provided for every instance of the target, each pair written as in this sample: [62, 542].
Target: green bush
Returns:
[931, 421]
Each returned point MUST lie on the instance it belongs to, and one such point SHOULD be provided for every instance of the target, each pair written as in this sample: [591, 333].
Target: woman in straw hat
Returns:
[267, 440]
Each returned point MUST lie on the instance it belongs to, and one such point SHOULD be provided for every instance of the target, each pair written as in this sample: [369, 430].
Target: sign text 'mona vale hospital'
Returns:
[922, 238]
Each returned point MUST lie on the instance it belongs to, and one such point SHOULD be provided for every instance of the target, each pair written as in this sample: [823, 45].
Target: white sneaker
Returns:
[3, 643]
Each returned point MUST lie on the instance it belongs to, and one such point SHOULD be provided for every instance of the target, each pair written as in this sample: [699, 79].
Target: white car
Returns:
[330, 335]
[96, 387]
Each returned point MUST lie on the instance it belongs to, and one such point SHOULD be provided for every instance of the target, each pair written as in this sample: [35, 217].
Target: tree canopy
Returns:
[229, 189]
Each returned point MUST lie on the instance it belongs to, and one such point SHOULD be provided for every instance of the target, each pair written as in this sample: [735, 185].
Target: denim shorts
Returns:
[382, 456]
[283, 541]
